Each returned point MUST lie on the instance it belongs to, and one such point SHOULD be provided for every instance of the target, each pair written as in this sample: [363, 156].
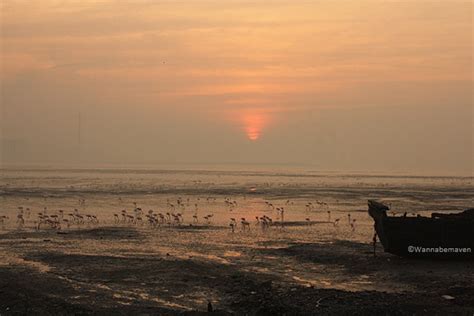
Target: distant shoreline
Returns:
[230, 170]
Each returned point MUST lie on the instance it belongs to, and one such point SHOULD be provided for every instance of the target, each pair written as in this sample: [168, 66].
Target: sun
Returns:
[254, 122]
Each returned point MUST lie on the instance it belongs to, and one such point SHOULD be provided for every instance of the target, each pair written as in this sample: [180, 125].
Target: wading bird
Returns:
[232, 224]
[245, 224]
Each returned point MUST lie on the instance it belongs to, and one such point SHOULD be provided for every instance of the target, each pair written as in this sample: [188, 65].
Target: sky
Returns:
[327, 84]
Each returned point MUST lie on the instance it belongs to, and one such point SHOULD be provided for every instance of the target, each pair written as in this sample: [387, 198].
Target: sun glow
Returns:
[254, 122]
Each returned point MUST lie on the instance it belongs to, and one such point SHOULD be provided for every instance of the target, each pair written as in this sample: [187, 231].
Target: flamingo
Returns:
[232, 224]
[245, 224]
[20, 220]
[2, 220]
[353, 225]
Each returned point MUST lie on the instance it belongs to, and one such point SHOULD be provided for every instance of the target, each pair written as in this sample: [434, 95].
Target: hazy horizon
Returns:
[376, 86]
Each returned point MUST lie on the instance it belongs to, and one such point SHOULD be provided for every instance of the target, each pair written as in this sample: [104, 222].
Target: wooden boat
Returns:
[439, 236]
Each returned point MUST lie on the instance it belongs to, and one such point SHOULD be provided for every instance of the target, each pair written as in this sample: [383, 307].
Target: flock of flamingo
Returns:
[55, 220]
[172, 217]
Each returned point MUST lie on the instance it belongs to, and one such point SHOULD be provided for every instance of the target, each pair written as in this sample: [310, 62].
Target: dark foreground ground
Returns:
[44, 273]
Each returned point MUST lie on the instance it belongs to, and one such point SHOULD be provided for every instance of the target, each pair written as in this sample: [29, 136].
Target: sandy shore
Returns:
[111, 270]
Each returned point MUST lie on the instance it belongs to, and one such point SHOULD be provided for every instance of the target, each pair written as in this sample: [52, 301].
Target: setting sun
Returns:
[254, 122]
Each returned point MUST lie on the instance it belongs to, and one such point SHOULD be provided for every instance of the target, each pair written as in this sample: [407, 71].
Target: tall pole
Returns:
[79, 136]
[79, 130]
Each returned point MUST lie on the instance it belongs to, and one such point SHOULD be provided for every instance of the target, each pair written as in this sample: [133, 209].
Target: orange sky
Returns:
[234, 69]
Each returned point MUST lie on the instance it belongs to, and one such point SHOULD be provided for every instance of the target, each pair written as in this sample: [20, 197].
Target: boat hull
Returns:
[448, 236]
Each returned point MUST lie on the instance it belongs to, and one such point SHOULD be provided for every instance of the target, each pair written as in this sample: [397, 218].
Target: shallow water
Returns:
[106, 192]
[110, 190]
